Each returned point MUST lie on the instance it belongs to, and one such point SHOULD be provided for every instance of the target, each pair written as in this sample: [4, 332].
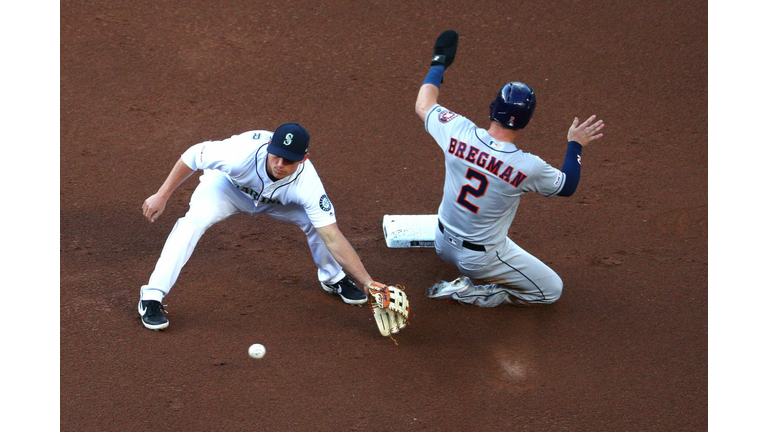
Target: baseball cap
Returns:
[290, 141]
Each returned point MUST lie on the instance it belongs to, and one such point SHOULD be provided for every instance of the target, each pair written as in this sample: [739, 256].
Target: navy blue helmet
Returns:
[514, 105]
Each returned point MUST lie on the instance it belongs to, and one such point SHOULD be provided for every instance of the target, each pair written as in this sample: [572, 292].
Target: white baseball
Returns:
[257, 351]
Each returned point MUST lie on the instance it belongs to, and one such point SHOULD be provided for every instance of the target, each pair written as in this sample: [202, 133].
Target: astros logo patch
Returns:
[446, 116]
[325, 203]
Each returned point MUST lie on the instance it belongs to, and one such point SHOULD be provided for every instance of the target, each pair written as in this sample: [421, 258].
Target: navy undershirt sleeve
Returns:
[571, 168]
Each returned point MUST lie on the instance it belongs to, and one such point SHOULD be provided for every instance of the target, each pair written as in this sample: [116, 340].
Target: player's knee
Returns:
[554, 290]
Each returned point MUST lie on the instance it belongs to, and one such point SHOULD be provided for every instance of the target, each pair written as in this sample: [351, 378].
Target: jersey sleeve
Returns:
[545, 179]
[231, 155]
[190, 156]
[315, 200]
[443, 123]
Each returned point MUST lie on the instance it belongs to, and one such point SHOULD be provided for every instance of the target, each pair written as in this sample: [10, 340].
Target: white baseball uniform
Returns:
[484, 180]
[234, 181]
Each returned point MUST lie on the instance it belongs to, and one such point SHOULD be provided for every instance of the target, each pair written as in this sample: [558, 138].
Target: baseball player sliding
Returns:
[260, 172]
[486, 175]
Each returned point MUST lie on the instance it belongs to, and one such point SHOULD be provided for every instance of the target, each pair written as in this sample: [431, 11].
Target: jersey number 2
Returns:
[475, 192]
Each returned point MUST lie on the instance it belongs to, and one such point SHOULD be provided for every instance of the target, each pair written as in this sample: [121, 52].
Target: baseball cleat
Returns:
[447, 289]
[348, 291]
[151, 312]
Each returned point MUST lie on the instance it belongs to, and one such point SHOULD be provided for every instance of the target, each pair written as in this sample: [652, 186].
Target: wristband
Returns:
[435, 76]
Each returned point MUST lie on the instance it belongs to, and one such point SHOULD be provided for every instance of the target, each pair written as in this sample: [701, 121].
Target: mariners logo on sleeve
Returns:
[445, 116]
[325, 203]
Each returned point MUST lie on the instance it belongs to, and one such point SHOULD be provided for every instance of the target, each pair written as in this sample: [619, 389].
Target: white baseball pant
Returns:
[214, 200]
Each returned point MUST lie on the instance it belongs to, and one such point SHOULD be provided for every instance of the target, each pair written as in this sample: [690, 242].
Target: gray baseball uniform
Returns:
[484, 180]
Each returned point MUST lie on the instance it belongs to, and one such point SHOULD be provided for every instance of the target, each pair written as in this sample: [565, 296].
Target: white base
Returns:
[408, 231]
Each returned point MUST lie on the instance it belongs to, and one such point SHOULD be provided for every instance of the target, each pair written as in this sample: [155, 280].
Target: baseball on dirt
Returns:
[257, 351]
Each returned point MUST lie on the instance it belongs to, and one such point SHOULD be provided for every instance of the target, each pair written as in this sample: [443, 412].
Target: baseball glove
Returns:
[390, 307]
[445, 48]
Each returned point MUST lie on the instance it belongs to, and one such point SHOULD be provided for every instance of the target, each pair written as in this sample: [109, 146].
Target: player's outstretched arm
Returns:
[154, 206]
[579, 135]
[442, 56]
[344, 254]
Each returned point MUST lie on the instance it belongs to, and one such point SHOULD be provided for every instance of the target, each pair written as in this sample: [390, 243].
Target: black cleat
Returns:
[151, 312]
[348, 291]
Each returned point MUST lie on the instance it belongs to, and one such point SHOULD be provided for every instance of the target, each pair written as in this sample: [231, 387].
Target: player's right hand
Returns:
[585, 132]
[445, 48]
[153, 207]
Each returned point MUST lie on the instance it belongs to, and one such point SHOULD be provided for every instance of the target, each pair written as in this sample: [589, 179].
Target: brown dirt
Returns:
[624, 349]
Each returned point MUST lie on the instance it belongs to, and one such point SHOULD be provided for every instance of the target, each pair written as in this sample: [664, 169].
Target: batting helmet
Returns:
[514, 105]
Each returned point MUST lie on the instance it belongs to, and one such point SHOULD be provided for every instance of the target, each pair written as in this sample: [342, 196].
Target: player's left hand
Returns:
[586, 132]
[390, 307]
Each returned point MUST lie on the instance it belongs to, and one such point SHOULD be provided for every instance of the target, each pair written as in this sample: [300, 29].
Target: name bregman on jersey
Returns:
[484, 160]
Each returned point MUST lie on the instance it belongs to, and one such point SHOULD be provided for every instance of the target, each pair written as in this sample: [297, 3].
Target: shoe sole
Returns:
[441, 295]
[155, 327]
[434, 295]
[449, 289]
[332, 290]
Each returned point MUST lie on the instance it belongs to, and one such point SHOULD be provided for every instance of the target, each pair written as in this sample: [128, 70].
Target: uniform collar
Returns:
[494, 144]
